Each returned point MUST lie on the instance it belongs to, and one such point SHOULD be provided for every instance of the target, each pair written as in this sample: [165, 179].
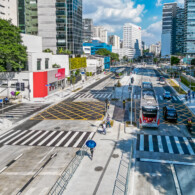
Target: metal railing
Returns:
[65, 177]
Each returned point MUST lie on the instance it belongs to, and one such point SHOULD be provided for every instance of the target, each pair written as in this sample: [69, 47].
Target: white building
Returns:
[129, 52]
[45, 73]
[95, 64]
[132, 38]
[114, 40]
[8, 10]
[155, 49]
[100, 33]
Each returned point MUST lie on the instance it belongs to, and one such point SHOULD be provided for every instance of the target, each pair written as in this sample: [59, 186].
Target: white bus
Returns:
[149, 108]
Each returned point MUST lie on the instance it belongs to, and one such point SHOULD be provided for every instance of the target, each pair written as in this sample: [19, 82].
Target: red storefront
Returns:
[48, 82]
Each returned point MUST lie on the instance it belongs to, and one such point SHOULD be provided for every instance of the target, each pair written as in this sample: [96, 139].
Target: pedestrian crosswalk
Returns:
[93, 95]
[21, 111]
[74, 139]
[166, 144]
[159, 97]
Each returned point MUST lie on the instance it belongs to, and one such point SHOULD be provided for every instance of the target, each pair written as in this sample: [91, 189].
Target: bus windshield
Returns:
[149, 112]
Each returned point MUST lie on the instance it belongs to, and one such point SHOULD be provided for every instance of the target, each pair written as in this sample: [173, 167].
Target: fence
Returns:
[62, 182]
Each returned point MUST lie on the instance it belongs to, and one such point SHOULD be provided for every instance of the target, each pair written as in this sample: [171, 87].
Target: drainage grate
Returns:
[115, 156]
[99, 168]
[57, 128]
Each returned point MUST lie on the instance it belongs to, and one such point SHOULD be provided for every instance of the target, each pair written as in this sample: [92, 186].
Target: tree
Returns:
[105, 52]
[13, 55]
[48, 50]
[155, 60]
[61, 50]
[174, 60]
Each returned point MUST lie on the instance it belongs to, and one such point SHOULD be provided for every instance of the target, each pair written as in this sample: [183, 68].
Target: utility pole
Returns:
[132, 104]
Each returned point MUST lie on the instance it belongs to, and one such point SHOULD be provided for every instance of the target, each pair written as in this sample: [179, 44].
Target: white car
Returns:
[162, 81]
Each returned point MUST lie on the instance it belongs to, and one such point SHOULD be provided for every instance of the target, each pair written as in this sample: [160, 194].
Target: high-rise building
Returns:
[87, 29]
[168, 29]
[180, 20]
[74, 26]
[58, 22]
[155, 49]
[189, 46]
[114, 40]
[100, 33]
[8, 10]
[132, 38]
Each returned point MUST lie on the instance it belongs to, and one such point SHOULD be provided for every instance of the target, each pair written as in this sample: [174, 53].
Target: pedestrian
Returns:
[92, 151]
[104, 128]
[108, 106]
[106, 101]
[108, 121]
[193, 94]
[123, 104]
[186, 97]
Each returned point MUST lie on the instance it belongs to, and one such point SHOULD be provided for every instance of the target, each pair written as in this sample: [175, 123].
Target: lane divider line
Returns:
[10, 163]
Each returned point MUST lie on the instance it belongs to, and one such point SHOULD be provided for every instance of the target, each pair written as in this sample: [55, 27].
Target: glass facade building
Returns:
[74, 26]
[190, 27]
[87, 29]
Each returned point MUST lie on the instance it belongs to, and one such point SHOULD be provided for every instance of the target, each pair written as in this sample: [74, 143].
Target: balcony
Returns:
[60, 20]
[60, 13]
[61, 28]
[60, 36]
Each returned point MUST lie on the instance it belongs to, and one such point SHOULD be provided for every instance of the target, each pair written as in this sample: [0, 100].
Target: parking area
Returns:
[73, 111]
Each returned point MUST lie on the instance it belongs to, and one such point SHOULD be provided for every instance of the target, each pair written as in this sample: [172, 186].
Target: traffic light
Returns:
[17, 86]
[22, 87]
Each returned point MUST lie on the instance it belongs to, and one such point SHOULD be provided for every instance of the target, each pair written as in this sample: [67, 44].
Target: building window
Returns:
[38, 64]
[46, 63]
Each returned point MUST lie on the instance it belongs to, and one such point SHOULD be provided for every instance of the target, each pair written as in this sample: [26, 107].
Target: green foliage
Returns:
[193, 61]
[77, 63]
[174, 60]
[48, 50]
[146, 51]
[187, 83]
[56, 66]
[105, 52]
[61, 50]
[90, 74]
[13, 55]
[118, 84]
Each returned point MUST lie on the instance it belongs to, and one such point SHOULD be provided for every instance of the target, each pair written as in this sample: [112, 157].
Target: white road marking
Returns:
[6, 134]
[53, 140]
[138, 97]
[18, 131]
[71, 139]
[178, 145]
[161, 97]
[151, 148]
[175, 180]
[38, 138]
[28, 133]
[109, 95]
[134, 96]
[141, 146]
[188, 146]
[169, 144]
[63, 138]
[44, 140]
[160, 146]
[30, 138]
[174, 98]
[79, 140]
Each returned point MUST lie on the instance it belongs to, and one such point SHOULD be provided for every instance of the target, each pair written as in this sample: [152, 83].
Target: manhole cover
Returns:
[57, 128]
[98, 168]
[115, 156]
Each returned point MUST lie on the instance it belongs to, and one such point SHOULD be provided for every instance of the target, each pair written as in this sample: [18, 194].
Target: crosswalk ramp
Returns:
[23, 110]
[74, 139]
[166, 144]
[93, 95]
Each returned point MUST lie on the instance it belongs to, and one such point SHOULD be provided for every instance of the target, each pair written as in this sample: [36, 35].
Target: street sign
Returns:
[82, 72]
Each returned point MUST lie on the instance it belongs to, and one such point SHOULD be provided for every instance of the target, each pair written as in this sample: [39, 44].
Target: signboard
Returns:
[82, 72]
[58, 75]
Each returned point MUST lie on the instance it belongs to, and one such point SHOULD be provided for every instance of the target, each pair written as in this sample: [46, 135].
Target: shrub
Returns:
[56, 66]
[187, 83]
[118, 84]
[90, 74]
[87, 73]
[77, 63]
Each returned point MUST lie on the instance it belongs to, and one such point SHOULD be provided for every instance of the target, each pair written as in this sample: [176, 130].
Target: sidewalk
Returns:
[107, 172]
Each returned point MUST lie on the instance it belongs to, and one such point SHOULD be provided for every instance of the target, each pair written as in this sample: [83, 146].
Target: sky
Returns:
[112, 14]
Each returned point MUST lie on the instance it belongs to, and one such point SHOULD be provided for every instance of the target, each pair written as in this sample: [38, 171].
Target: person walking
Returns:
[92, 151]
[108, 121]
[108, 105]
[104, 128]
[186, 97]
[193, 94]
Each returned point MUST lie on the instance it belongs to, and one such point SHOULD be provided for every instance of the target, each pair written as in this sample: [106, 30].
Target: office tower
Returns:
[180, 21]
[168, 29]
[74, 26]
[100, 33]
[8, 10]
[132, 38]
[114, 41]
[87, 29]
[155, 48]
[189, 45]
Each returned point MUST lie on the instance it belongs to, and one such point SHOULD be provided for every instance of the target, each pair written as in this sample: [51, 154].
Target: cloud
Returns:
[113, 13]
[152, 33]
[159, 3]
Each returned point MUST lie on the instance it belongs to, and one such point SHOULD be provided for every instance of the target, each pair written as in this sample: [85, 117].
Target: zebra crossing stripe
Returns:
[161, 97]
[38, 138]
[101, 95]
[141, 142]
[5, 134]
[70, 140]
[79, 140]
[160, 144]
[12, 135]
[15, 137]
[22, 138]
[53, 140]
[134, 96]
[138, 97]
[44, 140]
[174, 98]
[169, 144]
[58, 144]
[31, 138]
[178, 145]
[188, 146]
[151, 148]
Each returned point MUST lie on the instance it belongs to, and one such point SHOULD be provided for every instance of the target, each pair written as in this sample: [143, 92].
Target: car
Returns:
[162, 80]
[170, 113]
[167, 95]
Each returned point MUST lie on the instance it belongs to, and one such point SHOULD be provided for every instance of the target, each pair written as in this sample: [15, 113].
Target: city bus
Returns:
[149, 108]
[119, 73]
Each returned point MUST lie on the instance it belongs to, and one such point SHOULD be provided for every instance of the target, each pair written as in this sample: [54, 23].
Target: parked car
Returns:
[170, 113]
[162, 80]
[167, 95]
